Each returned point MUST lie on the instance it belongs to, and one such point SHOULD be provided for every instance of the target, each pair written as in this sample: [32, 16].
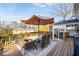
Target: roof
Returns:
[19, 28]
[67, 21]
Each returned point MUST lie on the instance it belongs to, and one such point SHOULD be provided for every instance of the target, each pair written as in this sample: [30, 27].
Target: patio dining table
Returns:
[34, 37]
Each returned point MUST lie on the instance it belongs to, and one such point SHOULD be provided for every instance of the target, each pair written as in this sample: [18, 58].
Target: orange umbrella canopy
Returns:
[36, 20]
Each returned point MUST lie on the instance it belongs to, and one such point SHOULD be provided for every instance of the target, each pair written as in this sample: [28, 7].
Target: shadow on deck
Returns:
[11, 51]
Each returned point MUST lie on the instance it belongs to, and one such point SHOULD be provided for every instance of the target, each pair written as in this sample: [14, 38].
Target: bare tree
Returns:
[21, 24]
[14, 24]
[63, 10]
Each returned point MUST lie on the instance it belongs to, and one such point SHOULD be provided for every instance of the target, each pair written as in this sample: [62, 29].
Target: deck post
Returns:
[53, 32]
[9, 38]
[58, 34]
[65, 34]
[5, 41]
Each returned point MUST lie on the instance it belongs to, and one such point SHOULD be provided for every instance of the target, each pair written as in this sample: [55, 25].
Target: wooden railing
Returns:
[13, 35]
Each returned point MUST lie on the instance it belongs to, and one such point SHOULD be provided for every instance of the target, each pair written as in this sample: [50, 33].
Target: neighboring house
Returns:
[35, 28]
[19, 30]
[22, 30]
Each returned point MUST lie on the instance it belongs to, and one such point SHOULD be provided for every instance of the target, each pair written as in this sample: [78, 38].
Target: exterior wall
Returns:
[58, 28]
[17, 32]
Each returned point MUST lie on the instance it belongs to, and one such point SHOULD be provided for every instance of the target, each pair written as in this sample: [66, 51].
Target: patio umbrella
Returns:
[37, 20]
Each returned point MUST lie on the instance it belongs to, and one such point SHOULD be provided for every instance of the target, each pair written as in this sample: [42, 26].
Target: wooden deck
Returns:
[63, 49]
[60, 49]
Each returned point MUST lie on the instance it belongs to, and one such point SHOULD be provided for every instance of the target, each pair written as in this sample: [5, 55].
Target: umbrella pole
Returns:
[38, 27]
[38, 30]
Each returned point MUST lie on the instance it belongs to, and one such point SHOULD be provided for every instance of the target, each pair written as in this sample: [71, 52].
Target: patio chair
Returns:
[26, 47]
[1, 50]
[47, 39]
[43, 43]
[29, 46]
[37, 42]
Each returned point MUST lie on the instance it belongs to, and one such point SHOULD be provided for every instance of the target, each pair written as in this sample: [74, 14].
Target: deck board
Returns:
[63, 48]
[54, 49]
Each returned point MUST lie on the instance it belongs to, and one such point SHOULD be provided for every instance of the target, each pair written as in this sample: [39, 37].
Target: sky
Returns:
[17, 11]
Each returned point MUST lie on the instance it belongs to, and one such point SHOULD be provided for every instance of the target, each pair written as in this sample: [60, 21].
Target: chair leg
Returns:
[35, 46]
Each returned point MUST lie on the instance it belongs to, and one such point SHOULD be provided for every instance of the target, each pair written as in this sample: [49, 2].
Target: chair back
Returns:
[43, 44]
[29, 45]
